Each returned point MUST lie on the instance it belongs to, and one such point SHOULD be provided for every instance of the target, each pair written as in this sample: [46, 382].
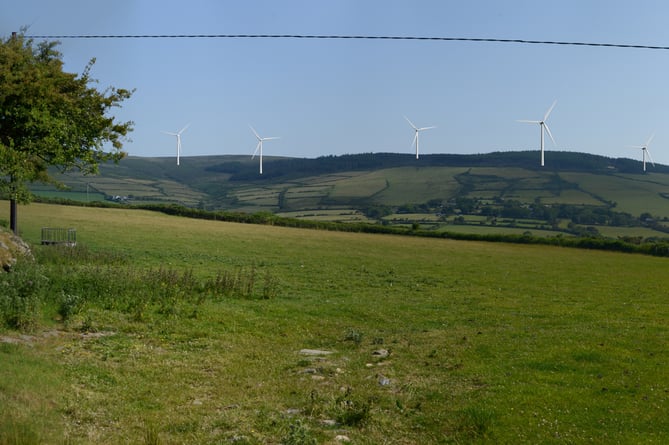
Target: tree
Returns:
[50, 118]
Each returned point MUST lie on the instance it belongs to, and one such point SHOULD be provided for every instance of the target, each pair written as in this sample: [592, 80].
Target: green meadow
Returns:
[158, 329]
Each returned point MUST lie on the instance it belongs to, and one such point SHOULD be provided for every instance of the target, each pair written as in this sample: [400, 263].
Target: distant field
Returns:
[344, 215]
[574, 197]
[165, 190]
[357, 185]
[459, 228]
[431, 341]
[75, 196]
[412, 217]
[405, 184]
[615, 232]
[632, 194]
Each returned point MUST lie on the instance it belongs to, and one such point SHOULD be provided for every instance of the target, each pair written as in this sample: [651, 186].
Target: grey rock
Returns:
[381, 353]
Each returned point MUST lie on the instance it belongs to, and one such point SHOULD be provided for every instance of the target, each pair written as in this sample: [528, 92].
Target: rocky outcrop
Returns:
[11, 248]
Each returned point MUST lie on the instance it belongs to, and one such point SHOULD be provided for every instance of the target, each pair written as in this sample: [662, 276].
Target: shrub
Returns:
[69, 305]
[298, 434]
[351, 412]
[353, 335]
[20, 295]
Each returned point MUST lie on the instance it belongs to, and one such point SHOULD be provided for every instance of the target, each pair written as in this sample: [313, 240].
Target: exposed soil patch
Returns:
[29, 340]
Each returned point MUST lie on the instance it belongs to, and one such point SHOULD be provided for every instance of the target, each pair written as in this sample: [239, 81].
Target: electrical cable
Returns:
[349, 37]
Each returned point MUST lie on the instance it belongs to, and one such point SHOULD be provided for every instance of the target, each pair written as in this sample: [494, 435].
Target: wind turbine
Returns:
[259, 146]
[417, 130]
[178, 135]
[645, 152]
[543, 125]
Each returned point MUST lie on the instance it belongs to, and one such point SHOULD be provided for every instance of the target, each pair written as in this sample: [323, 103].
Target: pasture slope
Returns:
[358, 181]
[432, 341]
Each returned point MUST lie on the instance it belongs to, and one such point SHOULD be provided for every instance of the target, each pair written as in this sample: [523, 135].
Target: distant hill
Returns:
[559, 161]
[374, 186]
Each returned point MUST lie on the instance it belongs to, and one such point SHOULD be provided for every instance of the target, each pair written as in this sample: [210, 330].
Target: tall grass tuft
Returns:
[21, 295]
[298, 434]
[474, 422]
[13, 432]
[70, 279]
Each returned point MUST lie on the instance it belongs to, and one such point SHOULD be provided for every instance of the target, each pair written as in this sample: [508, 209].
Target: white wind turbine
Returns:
[645, 152]
[178, 135]
[259, 146]
[416, 130]
[543, 125]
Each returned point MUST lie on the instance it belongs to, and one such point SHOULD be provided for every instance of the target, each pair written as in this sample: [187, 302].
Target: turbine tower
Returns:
[416, 130]
[178, 135]
[645, 152]
[259, 146]
[543, 125]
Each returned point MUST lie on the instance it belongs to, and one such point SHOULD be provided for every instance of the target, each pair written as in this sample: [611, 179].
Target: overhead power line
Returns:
[347, 37]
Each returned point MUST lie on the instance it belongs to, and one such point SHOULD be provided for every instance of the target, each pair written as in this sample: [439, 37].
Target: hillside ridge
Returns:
[496, 190]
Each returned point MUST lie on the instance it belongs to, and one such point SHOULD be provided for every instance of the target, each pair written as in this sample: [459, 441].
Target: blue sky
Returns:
[331, 97]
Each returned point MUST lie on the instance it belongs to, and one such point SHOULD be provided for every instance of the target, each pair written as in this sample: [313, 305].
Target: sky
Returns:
[334, 97]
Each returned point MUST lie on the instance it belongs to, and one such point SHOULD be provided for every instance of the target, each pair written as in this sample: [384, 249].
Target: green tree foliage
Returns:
[52, 118]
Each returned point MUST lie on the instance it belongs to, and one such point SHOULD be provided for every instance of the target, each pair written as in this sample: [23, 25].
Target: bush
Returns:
[350, 411]
[20, 295]
[68, 279]
[298, 434]
[68, 306]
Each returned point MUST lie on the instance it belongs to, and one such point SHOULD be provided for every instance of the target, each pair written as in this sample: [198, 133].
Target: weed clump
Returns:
[299, 434]
[21, 295]
[68, 280]
[353, 335]
[69, 305]
[351, 411]
[474, 422]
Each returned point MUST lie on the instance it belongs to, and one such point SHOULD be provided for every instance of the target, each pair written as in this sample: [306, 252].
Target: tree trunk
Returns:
[12, 216]
[13, 208]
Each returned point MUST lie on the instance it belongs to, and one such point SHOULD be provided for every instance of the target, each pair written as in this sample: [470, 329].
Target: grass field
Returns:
[485, 342]
[632, 194]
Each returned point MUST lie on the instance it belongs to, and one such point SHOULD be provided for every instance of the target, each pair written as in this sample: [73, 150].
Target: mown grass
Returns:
[487, 343]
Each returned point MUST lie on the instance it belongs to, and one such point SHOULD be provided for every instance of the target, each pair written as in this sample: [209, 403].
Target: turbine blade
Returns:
[548, 130]
[650, 157]
[256, 150]
[171, 134]
[184, 128]
[269, 139]
[415, 139]
[650, 140]
[410, 123]
[549, 111]
[425, 128]
[255, 132]
[529, 122]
